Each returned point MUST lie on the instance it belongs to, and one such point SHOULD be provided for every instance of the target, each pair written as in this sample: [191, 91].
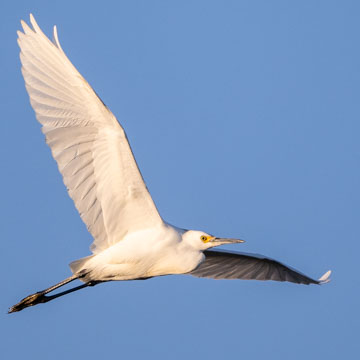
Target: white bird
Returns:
[131, 240]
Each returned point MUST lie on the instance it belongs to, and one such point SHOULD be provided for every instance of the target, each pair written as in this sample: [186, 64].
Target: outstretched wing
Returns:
[228, 265]
[87, 142]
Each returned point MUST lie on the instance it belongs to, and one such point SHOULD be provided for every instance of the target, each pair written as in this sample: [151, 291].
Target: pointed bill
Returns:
[222, 241]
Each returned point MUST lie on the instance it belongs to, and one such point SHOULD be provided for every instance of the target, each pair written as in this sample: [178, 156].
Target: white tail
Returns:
[77, 265]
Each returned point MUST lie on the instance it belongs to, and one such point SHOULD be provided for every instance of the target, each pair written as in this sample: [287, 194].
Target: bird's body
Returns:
[131, 240]
[142, 254]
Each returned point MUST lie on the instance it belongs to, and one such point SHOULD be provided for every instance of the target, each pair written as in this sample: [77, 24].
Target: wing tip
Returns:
[56, 39]
[36, 29]
[325, 278]
[26, 28]
[32, 20]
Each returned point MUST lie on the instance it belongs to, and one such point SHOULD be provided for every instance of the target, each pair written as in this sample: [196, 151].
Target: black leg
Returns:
[40, 296]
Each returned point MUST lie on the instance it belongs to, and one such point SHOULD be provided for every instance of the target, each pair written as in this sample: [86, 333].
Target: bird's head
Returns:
[202, 241]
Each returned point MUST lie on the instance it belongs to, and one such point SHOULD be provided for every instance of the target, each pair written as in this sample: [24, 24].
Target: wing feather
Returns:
[87, 142]
[228, 265]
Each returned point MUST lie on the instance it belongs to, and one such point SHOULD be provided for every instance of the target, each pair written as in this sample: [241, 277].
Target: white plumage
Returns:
[87, 142]
[131, 240]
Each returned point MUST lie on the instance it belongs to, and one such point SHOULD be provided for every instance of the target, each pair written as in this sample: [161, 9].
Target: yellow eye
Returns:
[203, 238]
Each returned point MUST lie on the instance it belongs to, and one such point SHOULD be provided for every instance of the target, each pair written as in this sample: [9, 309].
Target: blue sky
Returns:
[244, 119]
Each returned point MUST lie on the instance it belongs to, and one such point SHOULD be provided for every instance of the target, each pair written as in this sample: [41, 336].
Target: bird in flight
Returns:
[131, 240]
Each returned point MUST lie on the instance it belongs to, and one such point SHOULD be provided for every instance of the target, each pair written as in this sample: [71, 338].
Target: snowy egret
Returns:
[131, 240]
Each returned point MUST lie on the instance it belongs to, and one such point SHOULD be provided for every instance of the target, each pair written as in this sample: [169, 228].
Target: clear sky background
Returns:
[244, 119]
